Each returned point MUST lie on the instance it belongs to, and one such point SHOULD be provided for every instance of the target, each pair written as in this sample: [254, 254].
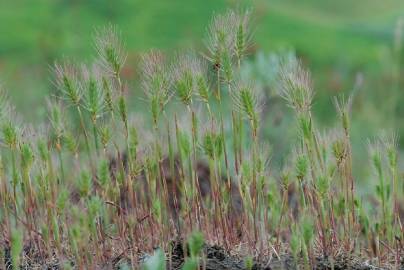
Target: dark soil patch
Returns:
[218, 259]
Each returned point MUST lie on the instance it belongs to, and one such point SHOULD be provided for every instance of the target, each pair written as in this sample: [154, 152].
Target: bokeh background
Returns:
[351, 47]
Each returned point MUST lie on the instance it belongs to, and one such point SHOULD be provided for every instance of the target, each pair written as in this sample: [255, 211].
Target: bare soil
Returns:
[216, 258]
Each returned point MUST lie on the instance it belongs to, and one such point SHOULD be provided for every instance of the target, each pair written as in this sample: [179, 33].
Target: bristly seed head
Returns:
[156, 82]
[9, 134]
[27, 156]
[227, 68]
[108, 95]
[229, 36]
[212, 142]
[243, 33]
[344, 109]
[186, 72]
[246, 100]
[221, 37]
[339, 146]
[67, 81]
[390, 143]
[94, 101]
[387, 144]
[375, 152]
[110, 50]
[56, 118]
[301, 166]
[296, 86]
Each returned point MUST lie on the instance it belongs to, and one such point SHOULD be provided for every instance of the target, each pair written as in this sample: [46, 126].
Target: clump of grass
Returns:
[93, 185]
[16, 247]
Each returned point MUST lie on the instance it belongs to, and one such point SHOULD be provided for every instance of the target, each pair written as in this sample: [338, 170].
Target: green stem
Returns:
[15, 180]
[95, 134]
[83, 127]
[60, 154]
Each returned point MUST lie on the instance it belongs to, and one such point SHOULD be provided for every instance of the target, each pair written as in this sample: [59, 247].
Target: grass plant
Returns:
[91, 184]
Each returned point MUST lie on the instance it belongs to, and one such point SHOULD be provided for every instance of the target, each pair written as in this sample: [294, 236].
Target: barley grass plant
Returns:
[99, 184]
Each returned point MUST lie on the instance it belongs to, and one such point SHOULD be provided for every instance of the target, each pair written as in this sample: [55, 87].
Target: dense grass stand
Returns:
[98, 186]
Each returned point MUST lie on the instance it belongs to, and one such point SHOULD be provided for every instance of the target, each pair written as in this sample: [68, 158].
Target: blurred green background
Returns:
[350, 46]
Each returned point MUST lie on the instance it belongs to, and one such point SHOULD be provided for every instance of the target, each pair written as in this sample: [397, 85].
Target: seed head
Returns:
[122, 110]
[390, 143]
[227, 68]
[243, 33]
[42, 148]
[10, 134]
[221, 37]
[94, 206]
[27, 156]
[228, 35]
[198, 68]
[67, 81]
[344, 109]
[375, 152]
[94, 93]
[156, 78]
[133, 142]
[105, 134]
[186, 72]
[62, 200]
[84, 183]
[108, 94]
[70, 141]
[203, 88]
[110, 50]
[322, 185]
[246, 100]
[302, 166]
[55, 113]
[11, 127]
[103, 173]
[212, 142]
[296, 86]
[339, 146]
[156, 82]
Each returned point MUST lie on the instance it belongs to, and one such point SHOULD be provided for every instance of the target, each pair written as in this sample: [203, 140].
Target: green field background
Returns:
[348, 45]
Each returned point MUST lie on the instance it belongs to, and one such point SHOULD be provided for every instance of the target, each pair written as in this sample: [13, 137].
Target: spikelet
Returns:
[157, 82]
[110, 50]
[246, 99]
[220, 38]
[188, 78]
[67, 81]
[93, 98]
[296, 86]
